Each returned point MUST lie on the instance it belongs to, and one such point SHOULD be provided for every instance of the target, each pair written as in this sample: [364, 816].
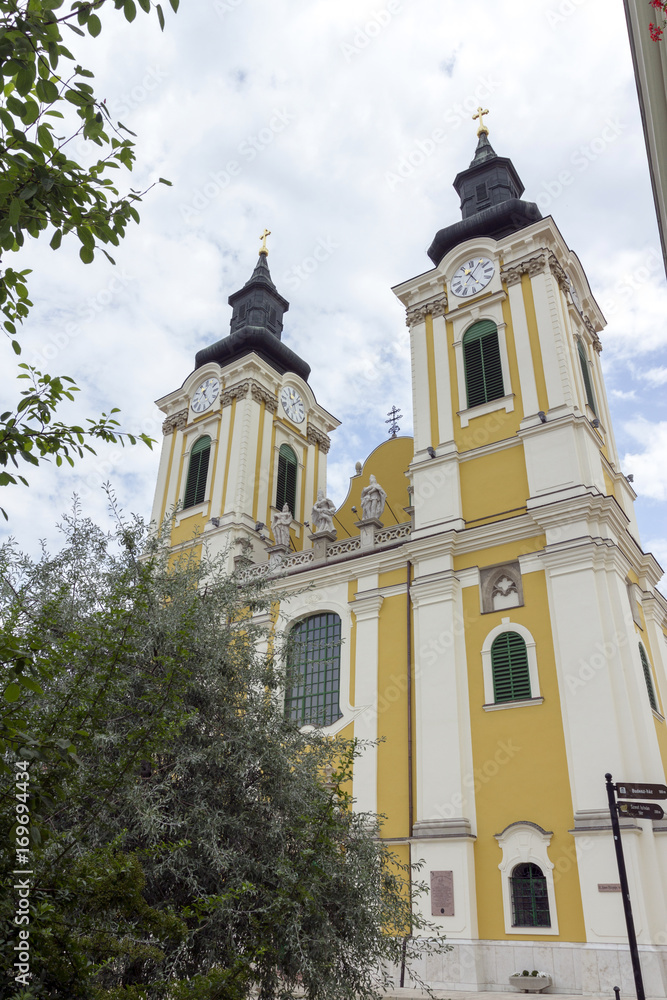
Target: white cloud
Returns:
[656, 376]
[649, 466]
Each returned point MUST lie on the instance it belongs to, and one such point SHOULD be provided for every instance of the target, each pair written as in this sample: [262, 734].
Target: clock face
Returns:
[472, 276]
[206, 395]
[292, 404]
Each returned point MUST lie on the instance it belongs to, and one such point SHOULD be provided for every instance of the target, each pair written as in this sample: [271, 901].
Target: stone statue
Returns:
[372, 500]
[322, 514]
[280, 524]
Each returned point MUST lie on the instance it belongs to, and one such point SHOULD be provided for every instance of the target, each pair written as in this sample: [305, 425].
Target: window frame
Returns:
[649, 679]
[462, 323]
[521, 842]
[586, 375]
[193, 453]
[291, 700]
[518, 671]
[282, 458]
[482, 332]
[513, 880]
[490, 704]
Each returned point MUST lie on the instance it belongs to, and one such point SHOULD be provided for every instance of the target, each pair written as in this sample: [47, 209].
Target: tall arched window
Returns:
[586, 375]
[312, 692]
[530, 899]
[509, 663]
[195, 486]
[481, 358]
[648, 677]
[286, 487]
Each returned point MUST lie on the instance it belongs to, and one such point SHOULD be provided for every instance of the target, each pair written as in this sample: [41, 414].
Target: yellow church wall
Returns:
[494, 484]
[432, 387]
[388, 463]
[520, 768]
[534, 338]
[392, 716]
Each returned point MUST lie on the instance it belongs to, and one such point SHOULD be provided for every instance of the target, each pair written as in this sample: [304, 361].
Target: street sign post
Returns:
[642, 810]
[630, 790]
[623, 878]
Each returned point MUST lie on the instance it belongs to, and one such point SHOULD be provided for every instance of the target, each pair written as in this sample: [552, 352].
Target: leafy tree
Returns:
[47, 101]
[198, 845]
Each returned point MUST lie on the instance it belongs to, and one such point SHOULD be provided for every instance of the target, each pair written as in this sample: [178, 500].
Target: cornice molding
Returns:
[238, 391]
[175, 422]
[418, 314]
[262, 395]
[315, 436]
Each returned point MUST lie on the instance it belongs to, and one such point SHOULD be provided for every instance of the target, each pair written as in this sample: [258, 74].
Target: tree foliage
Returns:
[46, 102]
[188, 840]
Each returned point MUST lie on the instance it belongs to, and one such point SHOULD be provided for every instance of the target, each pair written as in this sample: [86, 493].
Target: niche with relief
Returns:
[500, 587]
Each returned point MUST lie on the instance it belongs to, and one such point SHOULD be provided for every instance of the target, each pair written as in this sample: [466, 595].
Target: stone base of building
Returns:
[582, 969]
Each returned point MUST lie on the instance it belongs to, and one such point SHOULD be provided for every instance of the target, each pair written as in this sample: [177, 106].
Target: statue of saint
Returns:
[280, 524]
[372, 500]
[322, 513]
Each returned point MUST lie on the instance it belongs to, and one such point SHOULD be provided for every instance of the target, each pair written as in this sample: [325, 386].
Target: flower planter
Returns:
[531, 984]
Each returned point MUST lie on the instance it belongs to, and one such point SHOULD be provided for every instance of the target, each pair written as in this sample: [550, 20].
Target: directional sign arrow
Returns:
[643, 810]
[637, 790]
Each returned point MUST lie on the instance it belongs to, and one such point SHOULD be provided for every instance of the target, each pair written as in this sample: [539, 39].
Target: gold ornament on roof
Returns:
[480, 114]
[263, 249]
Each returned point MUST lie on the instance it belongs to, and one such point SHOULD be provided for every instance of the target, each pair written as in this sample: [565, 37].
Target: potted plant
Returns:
[531, 982]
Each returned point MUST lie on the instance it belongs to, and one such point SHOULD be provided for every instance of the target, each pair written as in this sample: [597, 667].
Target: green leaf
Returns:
[86, 255]
[163, 180]
[130, 10]
[160, 16]
[56, 239]
[14, 211]
[76, 30]
[16, 347]
[12, 692]
[145, 5]
[174, 5]
[94, 25]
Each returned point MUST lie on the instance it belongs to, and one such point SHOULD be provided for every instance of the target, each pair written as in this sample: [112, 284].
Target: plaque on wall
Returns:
[442, 894]
[609, 886]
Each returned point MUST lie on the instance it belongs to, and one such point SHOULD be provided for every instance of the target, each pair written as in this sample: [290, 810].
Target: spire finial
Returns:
[480, 114]
[263, 249]
[394, 416]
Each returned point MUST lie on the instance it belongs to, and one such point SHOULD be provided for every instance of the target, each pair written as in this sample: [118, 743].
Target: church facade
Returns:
[479, 607]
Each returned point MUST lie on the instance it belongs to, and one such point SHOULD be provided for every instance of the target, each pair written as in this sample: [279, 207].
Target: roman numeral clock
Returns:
[472, 276]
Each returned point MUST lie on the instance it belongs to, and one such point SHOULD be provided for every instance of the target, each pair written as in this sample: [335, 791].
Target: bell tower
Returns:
[244, 434]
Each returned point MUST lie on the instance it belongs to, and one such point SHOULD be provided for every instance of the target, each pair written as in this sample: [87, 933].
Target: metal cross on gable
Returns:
[394, 416]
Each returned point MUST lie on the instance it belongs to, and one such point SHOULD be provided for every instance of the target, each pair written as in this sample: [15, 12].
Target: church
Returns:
[480, 607]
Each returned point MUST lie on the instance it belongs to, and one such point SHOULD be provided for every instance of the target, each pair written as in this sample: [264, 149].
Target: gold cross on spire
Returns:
[480, 114]
[263, 249]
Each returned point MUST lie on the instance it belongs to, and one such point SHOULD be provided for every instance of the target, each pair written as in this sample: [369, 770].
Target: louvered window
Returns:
[509, 664]
[648, 677]
[586, 375]
[195, 487]
[286, 488]
[481, 357]
[530, 900]
[313, 676]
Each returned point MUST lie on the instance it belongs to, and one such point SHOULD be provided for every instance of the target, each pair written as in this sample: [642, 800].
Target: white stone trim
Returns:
[508, 626]
[525, 842]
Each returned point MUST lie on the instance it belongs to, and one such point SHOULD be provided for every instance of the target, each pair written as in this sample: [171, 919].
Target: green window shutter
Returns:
[530, 898]
[286, 485]
[509, 666]
[648, 677]
[195, 486]
[586, 374]
[481, 358]
[312, 694]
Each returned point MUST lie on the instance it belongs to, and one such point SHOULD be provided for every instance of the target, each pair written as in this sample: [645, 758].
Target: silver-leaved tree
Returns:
[188, 841]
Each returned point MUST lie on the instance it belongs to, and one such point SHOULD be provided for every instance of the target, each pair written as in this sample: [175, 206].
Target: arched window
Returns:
[530, 899]
[313, 672]
[195, 486]
[648, 677]
[509, 664]
[481, 358]
[586, 375]
[286, 488]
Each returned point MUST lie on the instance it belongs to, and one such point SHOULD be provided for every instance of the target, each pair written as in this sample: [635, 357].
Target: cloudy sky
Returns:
[316, 119]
